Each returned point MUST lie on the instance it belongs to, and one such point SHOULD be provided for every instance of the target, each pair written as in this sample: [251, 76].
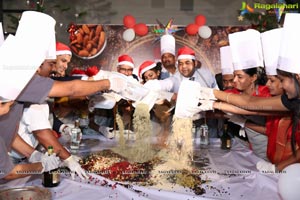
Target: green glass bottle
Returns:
[51, 178]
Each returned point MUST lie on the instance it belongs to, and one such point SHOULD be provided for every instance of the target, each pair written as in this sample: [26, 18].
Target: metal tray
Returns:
[26, 193]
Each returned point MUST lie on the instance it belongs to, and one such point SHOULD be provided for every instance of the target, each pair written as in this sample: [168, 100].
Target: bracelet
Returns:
[227, 97]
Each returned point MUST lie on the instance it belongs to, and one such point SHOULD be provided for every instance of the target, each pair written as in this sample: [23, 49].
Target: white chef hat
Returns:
[289, 49]
[37, 32]
[1, 34]
[270, 41]
[26, 52]
[167, 44]
[226, 60]
[246, 49]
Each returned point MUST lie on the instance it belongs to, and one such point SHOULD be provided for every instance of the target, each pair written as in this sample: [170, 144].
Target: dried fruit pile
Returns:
[115, 167]
[87, 40]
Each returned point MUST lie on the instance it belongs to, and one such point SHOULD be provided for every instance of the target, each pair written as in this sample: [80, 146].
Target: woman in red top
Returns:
[251, 82]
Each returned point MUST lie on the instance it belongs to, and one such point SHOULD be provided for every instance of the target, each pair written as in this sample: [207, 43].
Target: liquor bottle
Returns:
[76, 136]
[204, 134]
[204, 137]
[225, 138]
[51, 178]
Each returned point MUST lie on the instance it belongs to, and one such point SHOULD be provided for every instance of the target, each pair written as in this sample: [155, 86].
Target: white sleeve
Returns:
[36, 117]
[169, 84]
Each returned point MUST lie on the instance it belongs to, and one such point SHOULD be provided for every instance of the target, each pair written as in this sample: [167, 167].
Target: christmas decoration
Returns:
[204, 32]
[128, 21]
[165, 29]
[200, 20]
[192, 29]
[259, 20]
[140, 29]
[129, 35]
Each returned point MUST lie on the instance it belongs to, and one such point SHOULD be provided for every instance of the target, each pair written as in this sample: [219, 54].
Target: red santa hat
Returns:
[145, 66]
[125, 60]
[186, 53]
[62, 49]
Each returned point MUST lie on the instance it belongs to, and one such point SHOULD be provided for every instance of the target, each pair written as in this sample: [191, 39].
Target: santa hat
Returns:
[246, 49]
[167, 44]
[125, 60]
[289, 48]
[145, 66]
[226, 60]
[270, 41]
[186, 53]
[62, 49]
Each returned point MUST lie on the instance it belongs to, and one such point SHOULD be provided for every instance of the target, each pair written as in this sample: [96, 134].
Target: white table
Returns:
[232, 173]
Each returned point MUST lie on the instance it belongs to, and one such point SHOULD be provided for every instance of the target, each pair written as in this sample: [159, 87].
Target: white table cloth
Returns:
[232, 175]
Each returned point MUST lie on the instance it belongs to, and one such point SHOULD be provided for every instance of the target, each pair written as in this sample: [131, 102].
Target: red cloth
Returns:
[271, 132]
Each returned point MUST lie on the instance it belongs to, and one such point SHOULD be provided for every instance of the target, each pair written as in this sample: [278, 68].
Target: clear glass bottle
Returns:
[51, 178]
[225, 138]
[204, 137]
[76, 136]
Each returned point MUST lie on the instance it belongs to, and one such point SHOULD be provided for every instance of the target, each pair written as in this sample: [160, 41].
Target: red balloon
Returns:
[192, 29]
[140, 29]
[200, 20]
[128, 21]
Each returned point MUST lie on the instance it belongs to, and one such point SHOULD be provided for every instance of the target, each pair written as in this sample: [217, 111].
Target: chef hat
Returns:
[186, 53]
[36, 31]
[1, 34]
[62, 49]
[246, 49]
[270, 41]
[125, 60]
[167, 44]
[226, 60]
[145, 66]
[289, 49]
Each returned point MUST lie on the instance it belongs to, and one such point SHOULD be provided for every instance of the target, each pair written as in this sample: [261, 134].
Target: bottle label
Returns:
[55, 177]
[204, 135]
[228, 143]
[75, 138]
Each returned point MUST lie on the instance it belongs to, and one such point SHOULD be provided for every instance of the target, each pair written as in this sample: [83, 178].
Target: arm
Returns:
[251, 102]
[23, 170]
[22, 147]
[77, 88]
[225, 107]
[46, 138]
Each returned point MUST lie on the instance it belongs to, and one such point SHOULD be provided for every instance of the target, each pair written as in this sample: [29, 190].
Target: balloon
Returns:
[128, 21]
[200, 20]
[204, 32]
[192, 29]
[289, 182]
[129, 35]
[140, 29]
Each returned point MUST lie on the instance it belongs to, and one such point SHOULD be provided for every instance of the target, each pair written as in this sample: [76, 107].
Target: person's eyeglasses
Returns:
[125, 70]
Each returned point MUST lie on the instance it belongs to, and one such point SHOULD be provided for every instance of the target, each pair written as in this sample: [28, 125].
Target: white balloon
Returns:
[289, 182]
[129, 35]
[204, 32]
